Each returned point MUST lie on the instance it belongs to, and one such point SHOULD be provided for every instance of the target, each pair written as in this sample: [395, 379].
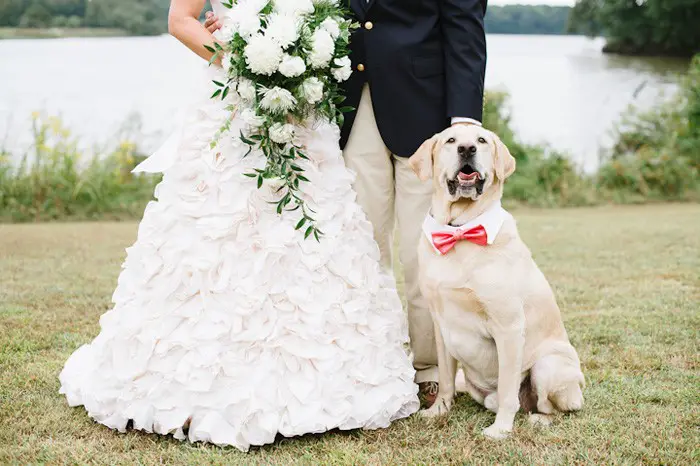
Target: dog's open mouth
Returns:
[467, 176]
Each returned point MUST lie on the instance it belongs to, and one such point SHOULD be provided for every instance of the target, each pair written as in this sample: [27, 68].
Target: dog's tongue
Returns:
[469, 177]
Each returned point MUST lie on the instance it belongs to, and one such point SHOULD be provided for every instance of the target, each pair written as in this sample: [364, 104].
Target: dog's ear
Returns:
[422, 160]
[504, 161]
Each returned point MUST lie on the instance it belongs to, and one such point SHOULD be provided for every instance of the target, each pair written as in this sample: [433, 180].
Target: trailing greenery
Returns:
[285, 63]
[648, 27]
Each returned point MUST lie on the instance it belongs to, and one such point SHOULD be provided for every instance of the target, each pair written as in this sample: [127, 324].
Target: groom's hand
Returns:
[212, 23]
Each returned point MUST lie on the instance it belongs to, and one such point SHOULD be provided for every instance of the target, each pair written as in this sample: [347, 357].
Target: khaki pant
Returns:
[392, 195]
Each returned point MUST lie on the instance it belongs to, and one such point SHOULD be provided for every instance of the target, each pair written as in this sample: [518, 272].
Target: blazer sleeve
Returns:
[464, 42]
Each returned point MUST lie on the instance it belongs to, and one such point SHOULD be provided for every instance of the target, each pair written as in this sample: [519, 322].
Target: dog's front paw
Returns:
[441, 407]
[496, 432]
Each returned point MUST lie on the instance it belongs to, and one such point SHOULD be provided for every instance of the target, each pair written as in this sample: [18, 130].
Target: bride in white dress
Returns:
[228, 326]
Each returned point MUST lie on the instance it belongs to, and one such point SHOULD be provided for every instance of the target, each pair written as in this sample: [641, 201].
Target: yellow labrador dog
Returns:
[493, 309]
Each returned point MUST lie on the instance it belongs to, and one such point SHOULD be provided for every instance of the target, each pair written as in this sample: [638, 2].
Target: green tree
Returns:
[11, 11]
[527, 19]
[36, 16]
[664, 27]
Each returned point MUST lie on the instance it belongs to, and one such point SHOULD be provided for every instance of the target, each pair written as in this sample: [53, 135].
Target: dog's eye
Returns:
[482, 141]
[451, 141]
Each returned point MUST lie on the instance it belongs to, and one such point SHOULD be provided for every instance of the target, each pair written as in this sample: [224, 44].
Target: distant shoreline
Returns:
[57, 33]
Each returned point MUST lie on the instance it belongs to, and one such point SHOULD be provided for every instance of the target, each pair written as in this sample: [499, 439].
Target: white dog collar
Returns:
[482, 230]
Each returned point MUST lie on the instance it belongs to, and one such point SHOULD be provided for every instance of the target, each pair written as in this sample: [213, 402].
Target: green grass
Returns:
[54, 33]
[628, 282]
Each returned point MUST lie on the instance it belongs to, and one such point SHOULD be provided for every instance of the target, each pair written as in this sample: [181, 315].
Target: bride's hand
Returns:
[212, 22]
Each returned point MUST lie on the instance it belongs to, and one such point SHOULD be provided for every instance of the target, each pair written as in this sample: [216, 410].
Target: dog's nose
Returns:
[469, 149]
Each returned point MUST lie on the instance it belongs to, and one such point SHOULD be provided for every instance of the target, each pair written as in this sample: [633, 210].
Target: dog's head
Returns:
[465, 161]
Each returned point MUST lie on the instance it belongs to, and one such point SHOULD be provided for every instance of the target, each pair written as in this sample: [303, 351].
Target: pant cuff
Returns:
[429, 374]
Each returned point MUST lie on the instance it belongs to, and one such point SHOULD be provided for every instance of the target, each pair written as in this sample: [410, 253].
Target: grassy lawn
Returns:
[53, 33]
[628, 282]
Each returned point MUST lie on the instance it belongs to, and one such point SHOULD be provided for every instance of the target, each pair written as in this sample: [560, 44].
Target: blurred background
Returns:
[591, 95]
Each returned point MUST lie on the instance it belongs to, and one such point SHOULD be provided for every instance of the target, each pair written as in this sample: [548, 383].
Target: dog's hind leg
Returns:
[557, 380]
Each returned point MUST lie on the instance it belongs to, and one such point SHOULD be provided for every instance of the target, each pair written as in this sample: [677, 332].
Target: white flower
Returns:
[263, 55]
[226, 32]
[278, 100]
[292, 67]
[251, 119]
[312, 90]
[282, 29]
[248, 25]
[246, 89]
[331, 27]
[246, 17]
[344, 70]
[294, 7]
[282, 134]
[322, 48]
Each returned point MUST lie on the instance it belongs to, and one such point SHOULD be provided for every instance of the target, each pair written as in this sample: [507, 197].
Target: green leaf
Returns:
[250, 175]
[260, 182]
[220, 84]
[225, 93]
[308, 232]
[210, 48]
[216, 94]
[246, 140]
[300, 224]
[302, 178]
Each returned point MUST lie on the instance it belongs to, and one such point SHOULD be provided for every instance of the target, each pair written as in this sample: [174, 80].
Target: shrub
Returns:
[657, 155]
[56, 182]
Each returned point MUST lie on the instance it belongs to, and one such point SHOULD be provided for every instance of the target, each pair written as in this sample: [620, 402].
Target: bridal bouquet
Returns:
[285, 59]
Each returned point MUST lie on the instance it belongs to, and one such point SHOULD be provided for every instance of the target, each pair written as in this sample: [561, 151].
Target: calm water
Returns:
[564, 91]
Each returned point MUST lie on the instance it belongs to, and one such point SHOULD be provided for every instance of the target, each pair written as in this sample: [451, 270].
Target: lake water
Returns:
[564, 91]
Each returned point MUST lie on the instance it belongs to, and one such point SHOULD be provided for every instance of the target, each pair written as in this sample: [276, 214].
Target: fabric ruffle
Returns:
[228, 327]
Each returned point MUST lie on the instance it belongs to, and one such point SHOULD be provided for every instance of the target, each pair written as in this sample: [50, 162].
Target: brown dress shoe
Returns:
[427, 392]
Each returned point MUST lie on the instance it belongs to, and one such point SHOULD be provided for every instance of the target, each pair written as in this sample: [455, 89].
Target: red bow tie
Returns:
[444, 241]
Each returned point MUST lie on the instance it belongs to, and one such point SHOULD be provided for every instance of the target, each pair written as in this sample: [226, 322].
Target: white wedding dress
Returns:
[228, 326]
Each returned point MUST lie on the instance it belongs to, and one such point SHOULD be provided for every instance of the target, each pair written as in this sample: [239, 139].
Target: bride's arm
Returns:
[184, 25]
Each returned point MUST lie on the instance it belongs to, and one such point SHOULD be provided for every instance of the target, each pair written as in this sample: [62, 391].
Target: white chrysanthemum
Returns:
[344, 70]
[282, 29]
[312, 90]
[322, 48]
[331, 26]
[246, 89]
[292, 67]
[248, 25]
[251, 119]
[294, 7]
[263, 55]
[282, 134]
[278, 100]
[226, 32]
[246, 17]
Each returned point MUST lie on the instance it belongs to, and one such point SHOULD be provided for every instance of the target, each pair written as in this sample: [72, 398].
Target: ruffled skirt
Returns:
[228, 326]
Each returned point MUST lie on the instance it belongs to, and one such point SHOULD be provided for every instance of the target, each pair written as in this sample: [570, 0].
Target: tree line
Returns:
[149, 17]
[648, 27]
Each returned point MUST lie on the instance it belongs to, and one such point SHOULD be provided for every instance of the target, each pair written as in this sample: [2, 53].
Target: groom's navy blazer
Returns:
[424, 61]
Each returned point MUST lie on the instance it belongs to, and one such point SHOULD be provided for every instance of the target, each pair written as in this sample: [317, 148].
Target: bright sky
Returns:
[532, 2]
